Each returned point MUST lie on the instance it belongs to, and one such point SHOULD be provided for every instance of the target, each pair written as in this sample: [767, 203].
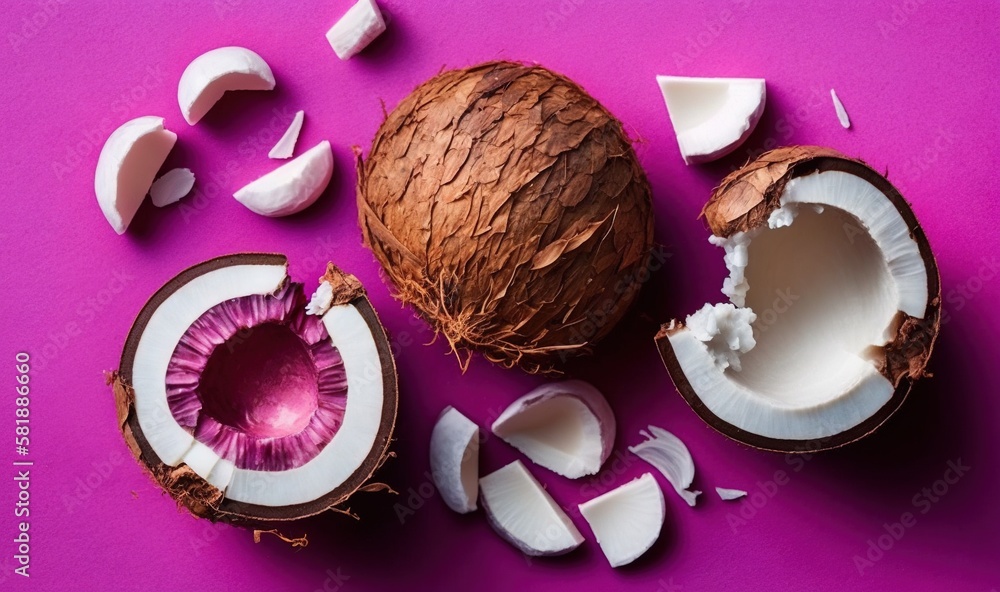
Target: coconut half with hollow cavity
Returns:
[834, 305]
[246, 409]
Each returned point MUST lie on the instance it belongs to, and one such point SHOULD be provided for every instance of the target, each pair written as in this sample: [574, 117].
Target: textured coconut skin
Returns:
[744, 201]
[199, 496]
[508, 207]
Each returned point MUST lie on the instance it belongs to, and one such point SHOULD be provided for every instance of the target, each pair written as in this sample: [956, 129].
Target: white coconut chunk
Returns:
[454, 460]
[321, 300]
[127, 165]
[201, 459]
[285, 147]
[712, 116]
[524, 514]
[215, 72]
[725, 330]
[567, 427]
[356, 29]
[845, 121]
[730, 494]
[171, 187]
[221, 474]
[292, 187]
[668, 454]
[627, 520]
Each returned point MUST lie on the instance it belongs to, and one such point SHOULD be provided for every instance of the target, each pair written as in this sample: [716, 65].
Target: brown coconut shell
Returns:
[200, 497]
[744, 201]
[508, 207]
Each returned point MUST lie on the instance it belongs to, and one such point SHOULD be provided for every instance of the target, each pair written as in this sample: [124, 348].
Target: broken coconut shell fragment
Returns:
[508, 207]
[230, 395]
[834, 305]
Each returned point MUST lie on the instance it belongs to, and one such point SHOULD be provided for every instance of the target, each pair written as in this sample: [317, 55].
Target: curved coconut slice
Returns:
[292, 187]
[455, 460]
[567, 427]
[627, 520]
[127, 165]
[712, 116]
[671, 457]
[215, 72]
[245, 409]
[730, 494]
[833, 275]
[171, 187]
[524, 514]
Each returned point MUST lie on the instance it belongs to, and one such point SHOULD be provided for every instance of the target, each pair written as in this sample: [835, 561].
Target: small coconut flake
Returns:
[730, 494]
[285, 147]
[321, 301]
[171, 187]
[356, 29]
[841, 112]
[671, 457]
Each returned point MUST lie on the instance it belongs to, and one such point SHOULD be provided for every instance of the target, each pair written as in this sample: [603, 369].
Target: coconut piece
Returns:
[292, 187]
[508, 207]
[455, 460]
[321, 300]
[171, 187]
[567, 427]
[359, 26]
[841, 112]
[712, 116]
[246, 410]
[524, 514]
[285, 147]
[730, 494]
[627, 520]
[127, 165]
[215, 72]
[671, 457]
[836, 346]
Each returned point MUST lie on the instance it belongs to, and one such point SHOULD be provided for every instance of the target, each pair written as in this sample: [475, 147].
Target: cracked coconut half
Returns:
[834, 305]
[245, 408]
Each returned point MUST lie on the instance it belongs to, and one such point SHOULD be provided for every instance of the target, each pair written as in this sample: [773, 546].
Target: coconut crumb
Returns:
[726, 330]
[735, 286]
[730, 494]
[321, 301]
[841, 112]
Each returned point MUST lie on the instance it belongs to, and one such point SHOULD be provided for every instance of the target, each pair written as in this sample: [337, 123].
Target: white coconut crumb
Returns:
[841, 112]
[726, 330]
[730, 494]
[735, 286]
[321, 300]
[783, 216]
[285, 147]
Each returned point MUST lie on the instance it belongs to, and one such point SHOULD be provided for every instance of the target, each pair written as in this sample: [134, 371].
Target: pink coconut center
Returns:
[262, 383]
[259, 382]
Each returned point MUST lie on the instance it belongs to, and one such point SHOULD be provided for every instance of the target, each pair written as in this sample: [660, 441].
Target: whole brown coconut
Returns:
[507, 205]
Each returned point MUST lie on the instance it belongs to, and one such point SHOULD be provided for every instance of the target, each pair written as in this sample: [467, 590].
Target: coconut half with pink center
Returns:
[250, 404]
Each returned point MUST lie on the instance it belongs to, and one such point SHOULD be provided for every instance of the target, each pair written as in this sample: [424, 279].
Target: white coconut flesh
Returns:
[627, 520]
[567, 427]
[216, 72]
[454, 457]
[811, 292]
[524, 514]
[269, 405]
[711, 117]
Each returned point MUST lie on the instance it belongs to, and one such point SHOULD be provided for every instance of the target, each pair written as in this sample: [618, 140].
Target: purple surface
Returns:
[919, 80]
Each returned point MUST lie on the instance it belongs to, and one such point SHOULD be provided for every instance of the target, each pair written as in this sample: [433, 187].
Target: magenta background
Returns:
[922, 94]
